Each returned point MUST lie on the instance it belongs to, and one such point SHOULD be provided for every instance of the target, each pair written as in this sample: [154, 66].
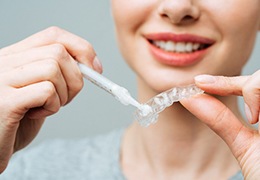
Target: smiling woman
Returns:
[167, 43]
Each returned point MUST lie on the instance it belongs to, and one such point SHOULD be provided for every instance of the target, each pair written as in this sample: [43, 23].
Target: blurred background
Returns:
[93, 111]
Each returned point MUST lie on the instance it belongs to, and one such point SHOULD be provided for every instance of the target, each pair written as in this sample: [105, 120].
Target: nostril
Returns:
[187, 18]
[164, 15]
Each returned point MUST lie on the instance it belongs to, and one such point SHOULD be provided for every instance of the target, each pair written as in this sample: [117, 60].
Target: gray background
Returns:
[93, 111]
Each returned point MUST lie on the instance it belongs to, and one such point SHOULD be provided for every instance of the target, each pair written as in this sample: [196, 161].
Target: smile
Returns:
[178, 50]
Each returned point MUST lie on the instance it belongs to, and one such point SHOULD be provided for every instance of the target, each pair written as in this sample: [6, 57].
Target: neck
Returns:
[177, 144]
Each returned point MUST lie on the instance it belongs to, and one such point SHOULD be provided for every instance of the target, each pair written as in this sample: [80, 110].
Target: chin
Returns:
[160, 84]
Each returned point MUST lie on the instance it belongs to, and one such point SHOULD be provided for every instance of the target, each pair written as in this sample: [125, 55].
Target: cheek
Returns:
[234, 17]
[238, 30]
[130, 14]
[129, 18]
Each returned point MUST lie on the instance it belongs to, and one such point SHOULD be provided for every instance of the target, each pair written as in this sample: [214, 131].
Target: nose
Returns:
[179, 11]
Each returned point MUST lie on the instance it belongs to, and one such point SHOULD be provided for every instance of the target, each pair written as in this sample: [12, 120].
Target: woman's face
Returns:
[168, 42]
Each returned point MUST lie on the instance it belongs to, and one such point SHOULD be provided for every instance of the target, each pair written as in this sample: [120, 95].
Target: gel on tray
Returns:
[162, 101]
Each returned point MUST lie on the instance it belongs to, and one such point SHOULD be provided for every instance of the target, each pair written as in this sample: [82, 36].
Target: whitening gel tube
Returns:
[120, 93]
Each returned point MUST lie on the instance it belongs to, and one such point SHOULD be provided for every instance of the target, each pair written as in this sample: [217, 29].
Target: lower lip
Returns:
[176, 59]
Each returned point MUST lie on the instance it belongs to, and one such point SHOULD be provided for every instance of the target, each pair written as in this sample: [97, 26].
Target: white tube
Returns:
[120, 93]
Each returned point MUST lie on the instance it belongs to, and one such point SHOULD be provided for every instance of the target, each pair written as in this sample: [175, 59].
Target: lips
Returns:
[178, 50]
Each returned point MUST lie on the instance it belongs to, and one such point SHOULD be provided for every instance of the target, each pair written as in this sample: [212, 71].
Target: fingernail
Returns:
[205, 79]
[97, 65]
[248, 113]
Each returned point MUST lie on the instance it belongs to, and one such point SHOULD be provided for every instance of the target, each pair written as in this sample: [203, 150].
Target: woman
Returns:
[167, 44]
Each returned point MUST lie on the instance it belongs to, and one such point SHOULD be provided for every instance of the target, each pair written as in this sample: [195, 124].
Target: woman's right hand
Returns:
[243, 141]
[37, 76]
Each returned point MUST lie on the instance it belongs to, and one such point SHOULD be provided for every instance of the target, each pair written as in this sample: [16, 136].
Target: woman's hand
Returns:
[37, 76]
[243, 141]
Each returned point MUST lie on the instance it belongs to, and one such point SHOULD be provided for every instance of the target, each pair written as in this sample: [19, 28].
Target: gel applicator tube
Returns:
[120, 93]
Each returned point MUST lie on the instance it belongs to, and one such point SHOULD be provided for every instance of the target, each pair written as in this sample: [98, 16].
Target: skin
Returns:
[243, 142]
[180, 146]
[38, 76]
[135, 21]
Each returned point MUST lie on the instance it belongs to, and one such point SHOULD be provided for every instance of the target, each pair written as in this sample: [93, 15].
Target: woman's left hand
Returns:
[243, 141]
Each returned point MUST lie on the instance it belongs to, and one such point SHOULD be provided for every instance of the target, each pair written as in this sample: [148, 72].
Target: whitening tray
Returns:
[163, 100]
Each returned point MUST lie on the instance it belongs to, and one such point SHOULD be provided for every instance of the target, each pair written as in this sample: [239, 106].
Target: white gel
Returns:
[157, 104]
[145, 109]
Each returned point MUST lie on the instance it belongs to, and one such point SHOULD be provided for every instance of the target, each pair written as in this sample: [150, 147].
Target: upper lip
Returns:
[179, 38]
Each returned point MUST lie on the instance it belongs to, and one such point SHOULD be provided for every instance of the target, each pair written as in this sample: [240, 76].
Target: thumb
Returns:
[217, 116]
[246, 86]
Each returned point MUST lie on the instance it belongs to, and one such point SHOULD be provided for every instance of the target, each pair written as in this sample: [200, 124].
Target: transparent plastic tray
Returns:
[149, 114]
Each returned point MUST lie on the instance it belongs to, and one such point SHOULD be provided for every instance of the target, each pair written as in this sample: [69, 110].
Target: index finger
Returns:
[222, 85]
[77, 47]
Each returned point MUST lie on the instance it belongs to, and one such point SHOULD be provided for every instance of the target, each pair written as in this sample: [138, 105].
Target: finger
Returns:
[221, 85]
[13, 109]
[68, 66]
[78, 48]
[26, 132]
[216, 115]
[39, 100]
[45, 70]
[251, 93]
[20, 102]
[15, 104]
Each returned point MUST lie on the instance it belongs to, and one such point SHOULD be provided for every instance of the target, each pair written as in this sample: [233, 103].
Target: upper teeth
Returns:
[180, 47]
